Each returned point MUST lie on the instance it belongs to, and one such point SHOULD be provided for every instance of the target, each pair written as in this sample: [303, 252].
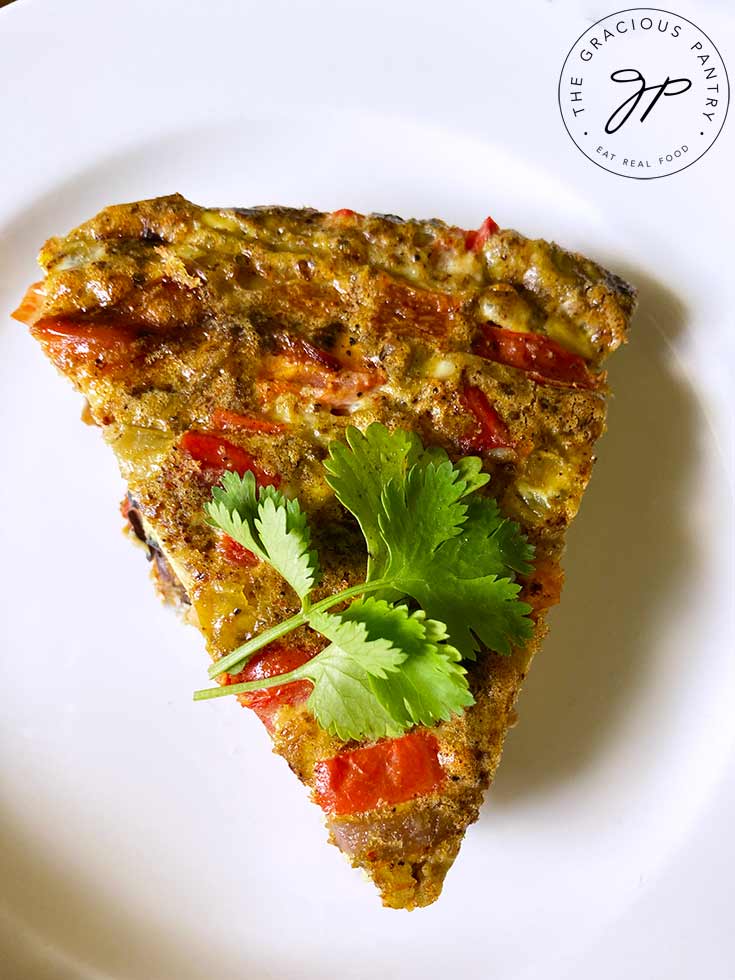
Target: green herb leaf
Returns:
[430, 684]
[488, 543]
[483, 609]
[272, 527]
[233, 508]
[385, 670]
[420, 512]
[286, 538]
[358, 472]
[344, 701]
[465, 580]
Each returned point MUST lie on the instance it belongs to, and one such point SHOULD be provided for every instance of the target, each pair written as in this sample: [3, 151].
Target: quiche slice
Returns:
[252, 341]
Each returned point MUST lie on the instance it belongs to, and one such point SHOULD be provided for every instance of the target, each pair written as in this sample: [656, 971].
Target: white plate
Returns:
[148, 837]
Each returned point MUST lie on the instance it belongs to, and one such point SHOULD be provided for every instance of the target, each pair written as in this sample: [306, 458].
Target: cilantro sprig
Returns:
[271, 526]
[439, 584]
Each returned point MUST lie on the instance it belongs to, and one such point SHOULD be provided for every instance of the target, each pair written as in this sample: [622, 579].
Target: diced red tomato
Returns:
[491, 432]
[543, 358]
[276, 658]
[282, 374]
[269, 389]
[300, 365]
[235, 553]
[62, 331]
[224, 419]
[345, 213]
[83, 336]
[302, 350]
[217, 455]
[426, 312]
[68, 343]
[383, 774]
[293, 376]
[474, 240]
[340, 392]
[31, 304]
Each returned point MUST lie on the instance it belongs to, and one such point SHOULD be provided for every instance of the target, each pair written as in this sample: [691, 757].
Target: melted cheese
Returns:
[547, 479]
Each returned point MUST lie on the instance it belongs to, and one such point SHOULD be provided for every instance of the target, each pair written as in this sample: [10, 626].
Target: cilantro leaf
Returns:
[459, 570]
[358, 471]
[421, 512]
[232, 509]
[343, 700]
[286, 537]
[485, 609]
[488, 544]
[431, 684]
[271, 526]
[386, 669]
[470, 470]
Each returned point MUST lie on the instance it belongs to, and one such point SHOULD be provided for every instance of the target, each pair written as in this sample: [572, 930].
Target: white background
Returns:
[146, 837]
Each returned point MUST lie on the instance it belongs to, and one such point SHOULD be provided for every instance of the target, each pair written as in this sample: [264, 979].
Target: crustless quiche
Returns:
[250, 349]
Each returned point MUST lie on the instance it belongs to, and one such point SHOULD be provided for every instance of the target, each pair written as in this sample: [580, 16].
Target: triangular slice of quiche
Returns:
[304, 403]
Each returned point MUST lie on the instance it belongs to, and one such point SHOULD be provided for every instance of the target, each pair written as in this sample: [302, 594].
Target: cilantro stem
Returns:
[259, 685]
[243, 653]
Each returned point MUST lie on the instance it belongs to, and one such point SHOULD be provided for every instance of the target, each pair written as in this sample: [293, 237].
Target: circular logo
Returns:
[644, 93]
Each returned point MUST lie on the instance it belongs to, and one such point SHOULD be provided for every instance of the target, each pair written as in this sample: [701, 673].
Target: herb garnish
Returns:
[432, 540]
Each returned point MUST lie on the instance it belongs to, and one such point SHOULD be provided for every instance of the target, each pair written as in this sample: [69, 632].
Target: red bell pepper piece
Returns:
[383, 774]
[543, 358]
[474, 240]
[492, 432]
[217, 455]
[276, 658]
